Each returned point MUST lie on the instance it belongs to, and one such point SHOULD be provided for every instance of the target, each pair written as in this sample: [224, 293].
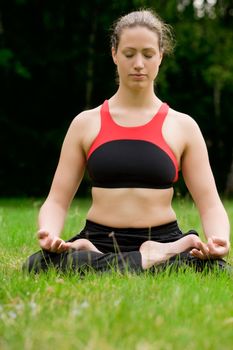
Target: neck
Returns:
[137, 98]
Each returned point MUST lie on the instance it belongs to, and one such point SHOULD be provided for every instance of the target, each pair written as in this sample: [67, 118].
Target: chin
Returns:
[138, 83]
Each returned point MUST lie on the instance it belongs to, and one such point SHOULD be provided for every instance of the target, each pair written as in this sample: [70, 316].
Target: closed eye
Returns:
[148, 56]
[129, 55]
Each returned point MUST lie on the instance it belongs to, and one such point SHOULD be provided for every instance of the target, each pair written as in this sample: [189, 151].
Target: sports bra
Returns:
[131, 157]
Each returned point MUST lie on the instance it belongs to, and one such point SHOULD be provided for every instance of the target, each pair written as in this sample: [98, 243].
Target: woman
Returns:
[133, 146]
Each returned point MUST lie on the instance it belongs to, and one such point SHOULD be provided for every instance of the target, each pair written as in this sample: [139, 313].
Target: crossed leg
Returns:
[153, 253]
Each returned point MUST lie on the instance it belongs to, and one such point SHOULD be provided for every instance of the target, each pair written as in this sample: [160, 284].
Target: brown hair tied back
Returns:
[147, 19]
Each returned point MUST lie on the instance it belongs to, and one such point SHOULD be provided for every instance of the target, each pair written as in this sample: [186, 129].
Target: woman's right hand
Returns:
[52, 243]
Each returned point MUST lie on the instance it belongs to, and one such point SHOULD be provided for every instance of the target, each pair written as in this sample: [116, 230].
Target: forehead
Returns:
[138, 36]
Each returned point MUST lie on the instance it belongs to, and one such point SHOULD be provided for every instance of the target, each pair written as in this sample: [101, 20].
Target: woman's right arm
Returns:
[66, 181]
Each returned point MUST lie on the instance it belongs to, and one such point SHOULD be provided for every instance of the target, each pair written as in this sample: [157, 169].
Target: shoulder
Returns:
[182, 118]
[85, 123]
[86, 117]
[184, 122]
[84, 128]
[182, 132]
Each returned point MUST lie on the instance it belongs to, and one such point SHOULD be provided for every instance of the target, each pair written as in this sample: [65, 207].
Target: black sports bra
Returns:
[138, 157]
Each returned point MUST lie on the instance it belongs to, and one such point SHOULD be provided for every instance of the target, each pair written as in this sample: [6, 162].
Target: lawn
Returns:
[184, 310]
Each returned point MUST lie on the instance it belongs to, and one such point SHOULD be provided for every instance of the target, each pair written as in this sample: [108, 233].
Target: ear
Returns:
[114, 55]
[161, 57]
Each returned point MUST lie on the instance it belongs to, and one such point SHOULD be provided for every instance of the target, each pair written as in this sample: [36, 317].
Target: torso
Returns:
[133, 207]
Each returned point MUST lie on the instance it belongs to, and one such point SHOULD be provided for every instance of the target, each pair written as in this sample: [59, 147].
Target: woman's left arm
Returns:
[200, 182]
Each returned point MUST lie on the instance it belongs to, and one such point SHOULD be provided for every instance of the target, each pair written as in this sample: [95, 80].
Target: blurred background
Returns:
[55, 62]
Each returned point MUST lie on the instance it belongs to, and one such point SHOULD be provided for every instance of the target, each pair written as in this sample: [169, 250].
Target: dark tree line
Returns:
[55, 61]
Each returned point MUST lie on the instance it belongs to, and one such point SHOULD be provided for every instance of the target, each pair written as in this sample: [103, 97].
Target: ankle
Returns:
[194, 241]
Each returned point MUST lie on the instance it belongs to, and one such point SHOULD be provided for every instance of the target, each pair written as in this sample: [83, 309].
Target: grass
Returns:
[109, 311]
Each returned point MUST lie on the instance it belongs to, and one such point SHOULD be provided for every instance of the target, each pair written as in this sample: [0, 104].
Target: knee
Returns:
[34, 263]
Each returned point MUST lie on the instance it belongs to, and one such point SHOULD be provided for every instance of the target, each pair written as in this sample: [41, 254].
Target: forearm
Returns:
[215, 223]
[52, 217]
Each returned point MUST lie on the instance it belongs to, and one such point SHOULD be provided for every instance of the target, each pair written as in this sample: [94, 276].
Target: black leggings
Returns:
[120, 248]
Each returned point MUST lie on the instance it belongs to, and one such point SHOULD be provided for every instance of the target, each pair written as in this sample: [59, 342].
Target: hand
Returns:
[215, 248]
[51, 243]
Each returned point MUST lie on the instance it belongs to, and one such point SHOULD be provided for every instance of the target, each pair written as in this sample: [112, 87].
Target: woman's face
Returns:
[138, 57]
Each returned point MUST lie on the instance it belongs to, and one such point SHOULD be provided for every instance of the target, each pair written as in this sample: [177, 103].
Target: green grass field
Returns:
[109, 311]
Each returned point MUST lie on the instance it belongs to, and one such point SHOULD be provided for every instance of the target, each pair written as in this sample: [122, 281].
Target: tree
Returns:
[55, 61]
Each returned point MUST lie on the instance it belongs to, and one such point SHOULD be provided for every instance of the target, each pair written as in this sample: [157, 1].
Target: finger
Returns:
[218, 252]
[60, 246]
[211, 247]
[59, 249]
[55, 244]
[202, 247]
[215, 249]
[45, 244]
[63, 247]
[220, 241]
[198, 254]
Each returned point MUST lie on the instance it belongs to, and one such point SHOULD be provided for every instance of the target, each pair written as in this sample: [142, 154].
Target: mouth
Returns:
[138, 76]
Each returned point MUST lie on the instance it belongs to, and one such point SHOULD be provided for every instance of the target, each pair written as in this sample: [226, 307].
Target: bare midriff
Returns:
[131, 207]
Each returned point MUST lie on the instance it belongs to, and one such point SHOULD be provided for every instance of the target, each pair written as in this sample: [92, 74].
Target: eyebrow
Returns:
[144, 49]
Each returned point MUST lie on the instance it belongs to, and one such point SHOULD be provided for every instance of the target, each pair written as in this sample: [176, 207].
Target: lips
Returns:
[138, 76]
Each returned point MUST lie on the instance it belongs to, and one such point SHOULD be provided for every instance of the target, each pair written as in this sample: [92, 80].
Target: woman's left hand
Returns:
[215, 248]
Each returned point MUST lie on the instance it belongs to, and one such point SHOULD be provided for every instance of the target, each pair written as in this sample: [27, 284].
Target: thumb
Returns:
[41, 234]
[210, 243]
[220, 241]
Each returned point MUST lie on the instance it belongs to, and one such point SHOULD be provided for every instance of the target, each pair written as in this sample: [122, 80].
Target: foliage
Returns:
[55, 61]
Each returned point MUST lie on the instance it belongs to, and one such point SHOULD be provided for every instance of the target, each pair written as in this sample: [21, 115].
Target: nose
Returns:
[139, 62]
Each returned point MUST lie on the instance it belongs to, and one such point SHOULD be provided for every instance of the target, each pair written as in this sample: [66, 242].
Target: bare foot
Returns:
[154, 253]
[84, 244]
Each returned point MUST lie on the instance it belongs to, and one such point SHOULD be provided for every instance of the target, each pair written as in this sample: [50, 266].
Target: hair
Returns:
[148, 19]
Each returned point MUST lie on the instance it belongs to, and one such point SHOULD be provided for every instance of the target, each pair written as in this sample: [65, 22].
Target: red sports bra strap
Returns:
[104, 111]
[160, 115]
